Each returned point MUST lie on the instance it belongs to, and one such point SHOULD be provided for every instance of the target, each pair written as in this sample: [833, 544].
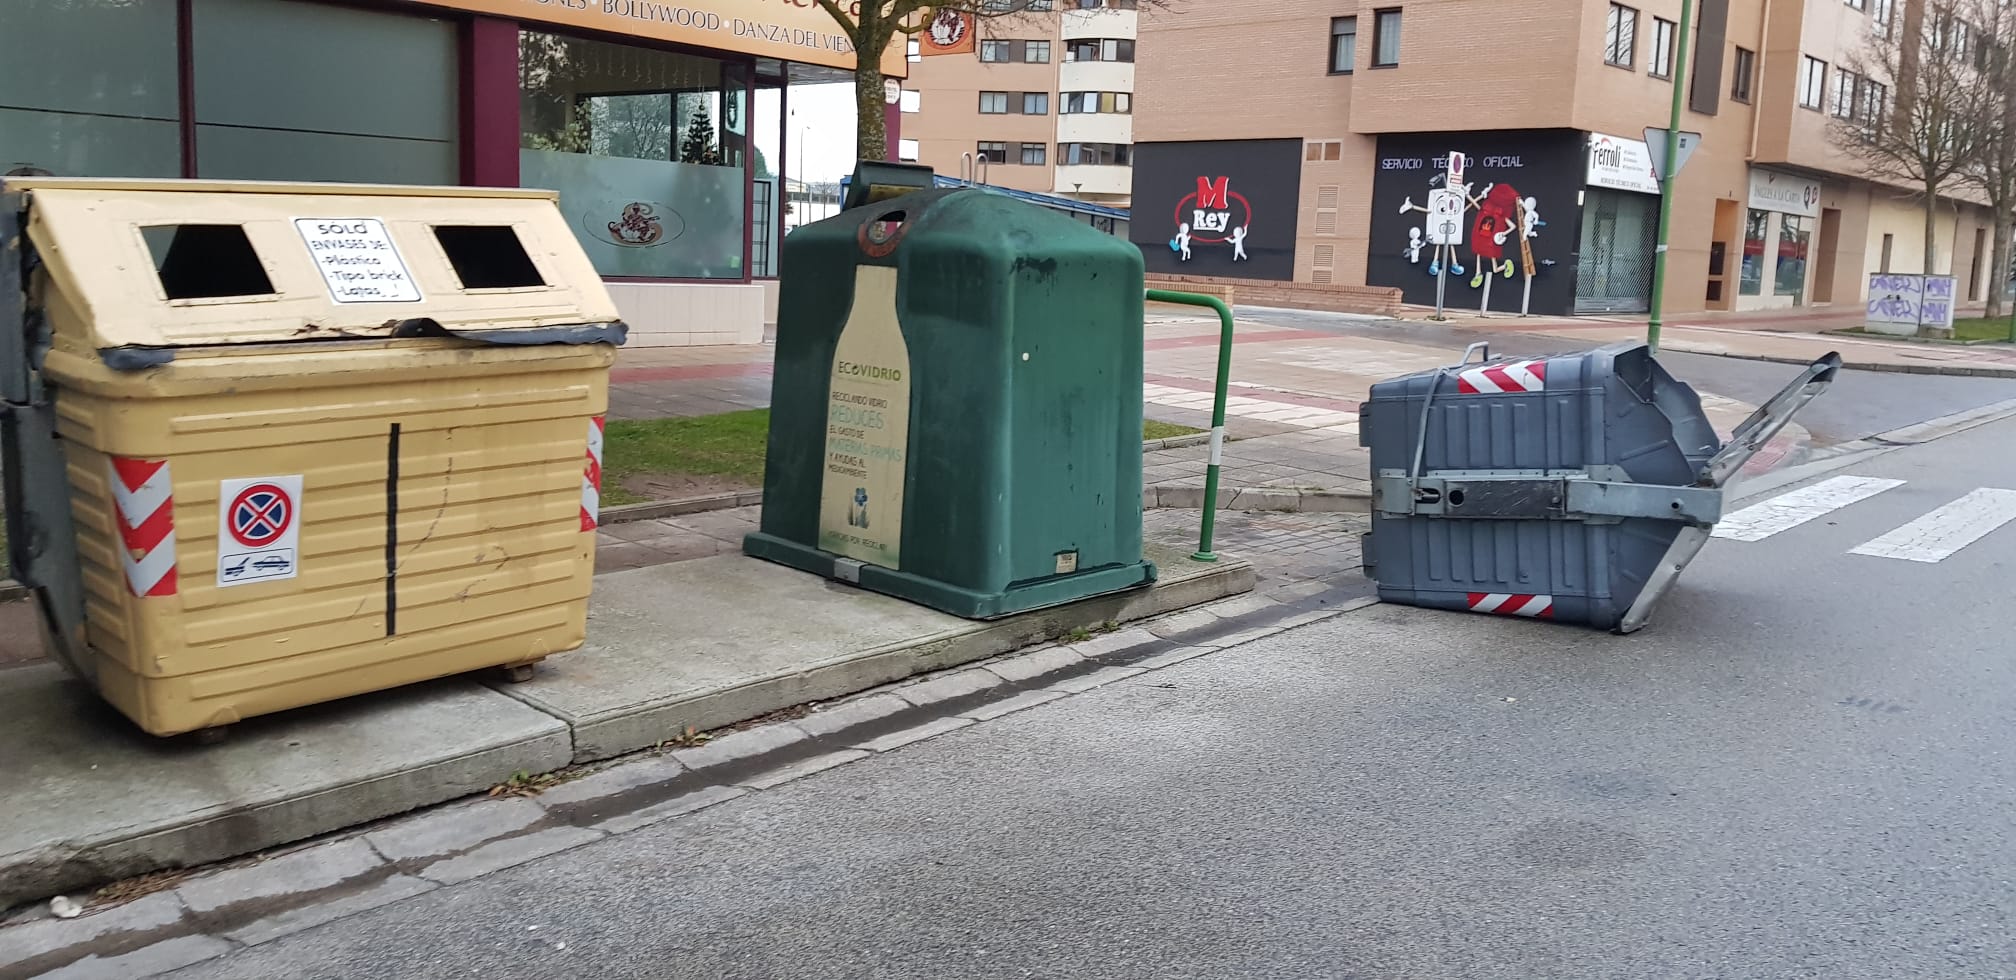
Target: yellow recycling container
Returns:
[319, 439]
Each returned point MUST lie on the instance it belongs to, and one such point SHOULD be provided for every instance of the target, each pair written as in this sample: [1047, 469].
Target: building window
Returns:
[1094, 154]
[1746, 71]
[993, 103]
[906, 151]
[1034, 154]
[626, 134]
[1040, 5]
[1793, 239]
[1035, 103]
[912, 100]
[992, 152]
[1036, 52]
[1620, 36]
[994, 52]
[1385, 38]
[1847, 103]
[1343, 45]
[1663, 32]
[1812, 82]
[116, 113]
[1751, 278]
[1858, 4]
[1074, 103]
[1315, 150]
[1099, 50]
[1875, 107]
[1879, 17]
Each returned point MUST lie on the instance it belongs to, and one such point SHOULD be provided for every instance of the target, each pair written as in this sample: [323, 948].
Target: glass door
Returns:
[1614, 267]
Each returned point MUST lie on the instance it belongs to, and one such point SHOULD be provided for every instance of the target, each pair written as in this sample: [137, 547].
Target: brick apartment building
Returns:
[1046, 99]
[1319, 128]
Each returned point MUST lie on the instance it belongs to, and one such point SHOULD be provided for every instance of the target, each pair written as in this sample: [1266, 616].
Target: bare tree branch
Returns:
[1907, 107]
[882, 21]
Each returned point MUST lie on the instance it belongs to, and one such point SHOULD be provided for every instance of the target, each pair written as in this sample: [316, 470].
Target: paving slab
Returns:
[91, 798]
[676, 647]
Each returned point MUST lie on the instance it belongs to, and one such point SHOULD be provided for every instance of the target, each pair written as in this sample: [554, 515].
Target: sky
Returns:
[820, 132]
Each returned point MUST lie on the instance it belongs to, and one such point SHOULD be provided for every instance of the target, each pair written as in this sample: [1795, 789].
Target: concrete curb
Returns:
[643, 724]
[220, 912]
[652, 510]
[1286, 500]
[1947, 370]
[524, 736]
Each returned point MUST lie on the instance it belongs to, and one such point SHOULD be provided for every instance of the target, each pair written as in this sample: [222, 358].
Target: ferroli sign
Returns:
[789, 30]
[1620, 163]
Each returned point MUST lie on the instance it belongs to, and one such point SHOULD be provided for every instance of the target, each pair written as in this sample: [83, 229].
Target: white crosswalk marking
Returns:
[1261, 409]
[1759, 521]
[1941, 534]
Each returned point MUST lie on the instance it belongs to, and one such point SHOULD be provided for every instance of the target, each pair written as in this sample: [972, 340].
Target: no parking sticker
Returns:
[258, 529]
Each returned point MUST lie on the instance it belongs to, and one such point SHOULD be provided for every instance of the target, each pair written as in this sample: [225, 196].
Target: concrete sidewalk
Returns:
[675, 647]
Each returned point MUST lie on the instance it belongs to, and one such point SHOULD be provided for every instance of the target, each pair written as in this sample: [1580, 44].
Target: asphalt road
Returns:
[1803, 768]
[1860, 404]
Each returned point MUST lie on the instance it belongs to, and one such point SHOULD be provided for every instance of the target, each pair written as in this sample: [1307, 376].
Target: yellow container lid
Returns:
[178, 263]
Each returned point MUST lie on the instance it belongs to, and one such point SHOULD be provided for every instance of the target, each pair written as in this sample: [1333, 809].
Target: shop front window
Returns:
[1755, 227]
[1792, 244]
[647, 149]
[89, 88]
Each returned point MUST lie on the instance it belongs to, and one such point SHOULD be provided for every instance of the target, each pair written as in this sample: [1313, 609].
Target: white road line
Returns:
[1940, 534]
[1786, 511]
[1260, 409]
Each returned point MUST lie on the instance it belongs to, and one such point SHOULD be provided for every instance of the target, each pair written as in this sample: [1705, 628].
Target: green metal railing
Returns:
[1204, 552]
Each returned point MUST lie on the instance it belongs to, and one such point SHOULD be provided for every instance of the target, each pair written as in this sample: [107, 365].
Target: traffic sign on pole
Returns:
[1655, 141]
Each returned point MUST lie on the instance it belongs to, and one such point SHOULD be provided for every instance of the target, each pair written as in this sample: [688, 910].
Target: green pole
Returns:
[1210, 522]
[1666, 177]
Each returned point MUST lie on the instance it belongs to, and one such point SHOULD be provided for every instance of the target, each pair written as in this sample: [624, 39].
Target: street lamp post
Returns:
[1672, 158]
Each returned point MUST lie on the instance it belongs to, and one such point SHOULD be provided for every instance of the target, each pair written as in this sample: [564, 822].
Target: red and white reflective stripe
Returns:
[1494, 379]
[591, 478]
[144, 499]
[1508, 604]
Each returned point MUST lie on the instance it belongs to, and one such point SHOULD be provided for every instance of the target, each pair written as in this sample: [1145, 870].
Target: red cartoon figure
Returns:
[1497, 220]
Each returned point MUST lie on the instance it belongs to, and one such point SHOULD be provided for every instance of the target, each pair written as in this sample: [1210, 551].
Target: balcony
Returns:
[1095, 76]
[1095, 127]
[1095, 179]
[1101, 24]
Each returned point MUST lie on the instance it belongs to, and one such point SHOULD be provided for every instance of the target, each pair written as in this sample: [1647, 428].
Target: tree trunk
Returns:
[872, 127]
[1931, 228]
[1998, 263]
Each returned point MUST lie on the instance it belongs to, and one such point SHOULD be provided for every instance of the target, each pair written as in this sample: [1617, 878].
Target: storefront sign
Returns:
[789, 30]
[1621, 164]
[867, 428]
[1773, 191]
[1218, 208]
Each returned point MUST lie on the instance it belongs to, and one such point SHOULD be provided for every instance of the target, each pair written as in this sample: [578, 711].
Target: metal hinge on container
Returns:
[1540, 495]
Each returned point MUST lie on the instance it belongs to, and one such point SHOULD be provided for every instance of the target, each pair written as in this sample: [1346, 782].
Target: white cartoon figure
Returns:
[1415, 245]
[1183, 240]
[1238, 240]
[1533, 222]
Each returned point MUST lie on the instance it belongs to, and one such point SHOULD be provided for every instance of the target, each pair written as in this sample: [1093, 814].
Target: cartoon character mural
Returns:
[1495, 204]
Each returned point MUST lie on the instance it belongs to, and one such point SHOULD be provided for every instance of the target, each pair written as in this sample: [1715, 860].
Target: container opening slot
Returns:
[205, 261]
[488, 256]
